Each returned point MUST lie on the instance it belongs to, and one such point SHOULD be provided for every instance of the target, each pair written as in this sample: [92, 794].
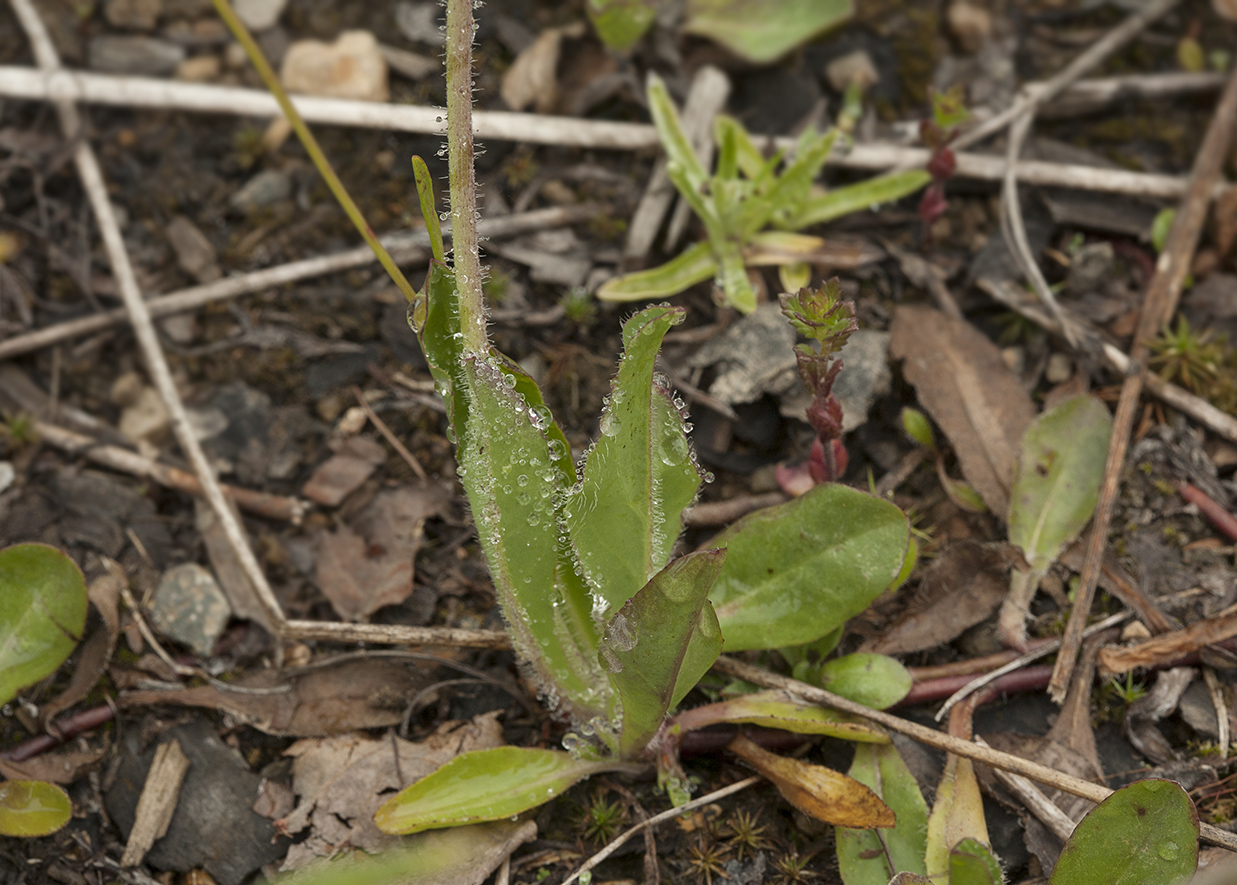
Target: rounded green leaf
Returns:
[971, 862]
[42, 613]
[32, 808]
[796, 571]
[876, 681]
[1143, 834]
[763, 30]
[484, 785]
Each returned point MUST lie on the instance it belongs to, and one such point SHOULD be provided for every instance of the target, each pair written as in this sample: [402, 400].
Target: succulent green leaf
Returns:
[33, 808]
[866, 857]
[858, 197]
[764, 30]
[876, 681]
[621, 23]
[484, 785]
[748, 158]
[435, 317]
[918, 428]
[42, 614]
[670, 128]
[1058, 478]
[799, 570]
[778, 709]
[781, 247]
[625, 515]
[425, 195]
[1160, 227]
[645, 641]
[510, 475]
[971, 862]
[694, 265]
[1143, 834]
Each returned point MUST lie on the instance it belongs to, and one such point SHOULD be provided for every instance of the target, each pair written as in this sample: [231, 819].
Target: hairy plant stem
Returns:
[323, 165]
[465, 251]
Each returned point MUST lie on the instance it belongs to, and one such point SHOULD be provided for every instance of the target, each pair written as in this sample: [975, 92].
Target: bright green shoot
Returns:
[751, 207]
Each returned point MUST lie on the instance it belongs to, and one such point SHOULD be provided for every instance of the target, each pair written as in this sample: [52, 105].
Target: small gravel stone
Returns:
[146, 420]
[194, 252]
[259, 14]
[351, 67]
[190, 608]
[265, 189]
[140, 15]
[1060, 369]
[853, 67]
[148, 56]
[199, 69]
[970, 25]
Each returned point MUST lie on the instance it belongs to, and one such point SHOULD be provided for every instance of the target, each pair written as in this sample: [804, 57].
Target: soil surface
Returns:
[275, 380]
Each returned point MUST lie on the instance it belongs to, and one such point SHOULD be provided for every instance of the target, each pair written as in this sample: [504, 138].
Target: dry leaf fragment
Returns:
[818, 791]
[342, 781]
[962, 586]
[96, 652]
[312, 703]
[968, 390]
[369, 565]
[532, 78]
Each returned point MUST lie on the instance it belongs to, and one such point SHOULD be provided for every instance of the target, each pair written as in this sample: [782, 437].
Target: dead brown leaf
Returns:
[532, 78]
[355, 459]
[96, 652]
[369, 565]
[968, 390]
[314, 702]
[821, 792]
[342, 780]
[62, 767]
[962, 586]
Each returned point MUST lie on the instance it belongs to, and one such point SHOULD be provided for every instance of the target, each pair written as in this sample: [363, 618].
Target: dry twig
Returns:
[1158, 307]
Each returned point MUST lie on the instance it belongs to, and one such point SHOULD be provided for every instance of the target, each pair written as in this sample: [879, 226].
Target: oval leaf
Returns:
[972, 863]
[866, 858]
[483, 785]
[763, 30]
[1143, 834]
[644, 643]
[821, 792]
[626, 513]
[796, 571]
[876, 681]
[42, 614]
[778, 709]
[1058, 477]
[32, 808]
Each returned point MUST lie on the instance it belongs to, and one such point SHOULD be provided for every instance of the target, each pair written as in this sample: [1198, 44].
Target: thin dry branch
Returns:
[91, 176]
[943, 741]
[1159, 304]
[21, 82]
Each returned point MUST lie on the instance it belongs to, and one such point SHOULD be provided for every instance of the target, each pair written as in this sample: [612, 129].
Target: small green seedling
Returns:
[751, 208]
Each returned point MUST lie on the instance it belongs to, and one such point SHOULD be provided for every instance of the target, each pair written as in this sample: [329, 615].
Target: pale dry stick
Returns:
[1216, 690]
[941, 740]
[144, 329]
[390, 437]
[20, 82]
[656, 819]
[395, 634]
[1018, 663]
[405, 248]
[1033, 96]
[1096, 93]
[1158, 306]
[1061, 824]
[280, 507]
[1182, 400]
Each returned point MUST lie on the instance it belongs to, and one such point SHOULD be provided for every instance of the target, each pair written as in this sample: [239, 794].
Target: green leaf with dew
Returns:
[42, 614]
[33, 808]
[866, 857]
[645, 641]
[626, 513]
[876, 681]
[484, 785]
[796, 571]
[1143, 834]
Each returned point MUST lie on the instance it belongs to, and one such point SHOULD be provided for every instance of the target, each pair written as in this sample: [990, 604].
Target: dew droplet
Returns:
[673, 450]
[620, 635]
[521, 480]
[1168, 849]
[610, 424]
